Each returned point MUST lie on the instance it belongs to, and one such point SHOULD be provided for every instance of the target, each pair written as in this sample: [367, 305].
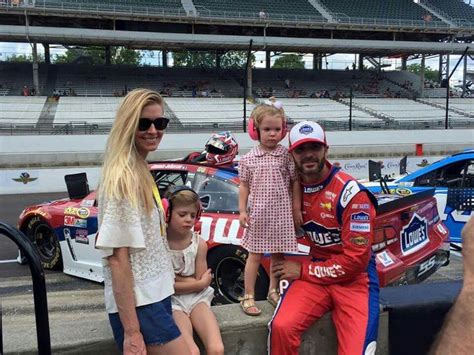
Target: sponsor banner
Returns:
[414, 235]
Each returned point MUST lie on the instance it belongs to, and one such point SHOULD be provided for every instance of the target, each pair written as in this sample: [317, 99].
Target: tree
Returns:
[289, 61]
[194, 59]
[96, 55]
[430, 74]
[24, 58]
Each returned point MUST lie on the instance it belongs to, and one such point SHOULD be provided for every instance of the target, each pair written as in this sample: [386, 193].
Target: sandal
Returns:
[248, 305]
[271, 298]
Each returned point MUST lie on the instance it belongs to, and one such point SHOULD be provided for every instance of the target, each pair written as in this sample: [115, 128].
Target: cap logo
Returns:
[306, 129]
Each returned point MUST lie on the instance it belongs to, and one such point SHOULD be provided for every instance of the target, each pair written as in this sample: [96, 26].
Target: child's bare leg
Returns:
[206, 326]
[274, 282]
[251, 270]
[185, 326]
[250, 277]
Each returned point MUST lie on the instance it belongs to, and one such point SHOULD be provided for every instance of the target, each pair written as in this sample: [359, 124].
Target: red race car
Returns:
[64, 230]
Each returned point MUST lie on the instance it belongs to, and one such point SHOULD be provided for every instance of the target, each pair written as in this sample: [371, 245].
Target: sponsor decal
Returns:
[360, 217]
[359, 227]
[81, 223]
[81, 212]
[403, 191]
[312, 189]
[38, 211]
[441, 229]
[24, 178]
[427, 265]
[333, 271]
[349, 191]
[326, 215]
[407, 184]
[330, 195]
[306, 129]
[385, 258]
[87, 203]
[201, 169]
[322, 236]
[355, 166]
[81, 236]
[167, 167]
[326, 206]
[360, 206]
[414, 235]
[360, 241]
[69, 221]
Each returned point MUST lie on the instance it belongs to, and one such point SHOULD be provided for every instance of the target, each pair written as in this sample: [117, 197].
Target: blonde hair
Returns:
[125, 174]
[184, 198]
[262, 110]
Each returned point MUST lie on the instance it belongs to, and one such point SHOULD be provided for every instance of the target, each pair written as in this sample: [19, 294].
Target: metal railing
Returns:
[203, 13]
[28, 249]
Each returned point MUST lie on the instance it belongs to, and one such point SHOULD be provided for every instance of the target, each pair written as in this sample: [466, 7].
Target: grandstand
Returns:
[87, 95]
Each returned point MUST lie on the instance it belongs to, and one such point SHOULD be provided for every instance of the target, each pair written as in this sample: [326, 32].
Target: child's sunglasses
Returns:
[160, 123]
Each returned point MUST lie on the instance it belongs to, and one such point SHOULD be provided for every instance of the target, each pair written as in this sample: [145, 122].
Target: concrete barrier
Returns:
[73, 150]
[79, 325]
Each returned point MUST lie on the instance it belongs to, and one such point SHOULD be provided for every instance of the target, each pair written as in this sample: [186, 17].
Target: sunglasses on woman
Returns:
[160, 123]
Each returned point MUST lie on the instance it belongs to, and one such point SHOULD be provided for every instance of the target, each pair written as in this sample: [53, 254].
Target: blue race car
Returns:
[453, 179]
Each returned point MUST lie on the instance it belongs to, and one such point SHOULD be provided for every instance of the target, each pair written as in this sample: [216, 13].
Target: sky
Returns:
[336, 61]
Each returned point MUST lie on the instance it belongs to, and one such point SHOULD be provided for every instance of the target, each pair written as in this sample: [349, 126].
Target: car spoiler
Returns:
[404, 201]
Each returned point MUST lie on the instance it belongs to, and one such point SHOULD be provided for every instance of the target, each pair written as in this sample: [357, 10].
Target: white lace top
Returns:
[121, 225]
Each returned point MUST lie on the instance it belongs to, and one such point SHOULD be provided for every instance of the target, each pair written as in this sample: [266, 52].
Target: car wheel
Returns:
[46, 242]
[228, 264]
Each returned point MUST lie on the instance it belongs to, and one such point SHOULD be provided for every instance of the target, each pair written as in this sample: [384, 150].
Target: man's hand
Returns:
[133, 343]
[286, 270]
[468, 253]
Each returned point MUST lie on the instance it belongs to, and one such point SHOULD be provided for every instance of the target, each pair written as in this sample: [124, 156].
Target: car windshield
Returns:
[217, 194]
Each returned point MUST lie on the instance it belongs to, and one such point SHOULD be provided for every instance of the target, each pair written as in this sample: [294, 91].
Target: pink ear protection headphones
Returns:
[253, 131]
[168, 201]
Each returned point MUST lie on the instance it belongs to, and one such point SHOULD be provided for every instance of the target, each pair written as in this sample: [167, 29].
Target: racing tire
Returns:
[46, 242]
[228, 264]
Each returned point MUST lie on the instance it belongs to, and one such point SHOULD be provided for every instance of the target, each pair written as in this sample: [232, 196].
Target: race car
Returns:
[453, 179]
[410, 240]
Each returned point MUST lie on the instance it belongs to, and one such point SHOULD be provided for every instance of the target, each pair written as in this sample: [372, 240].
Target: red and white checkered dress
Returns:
[269, 174]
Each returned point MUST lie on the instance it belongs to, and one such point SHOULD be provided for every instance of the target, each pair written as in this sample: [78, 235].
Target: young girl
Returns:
[193, 295]
[267, 183]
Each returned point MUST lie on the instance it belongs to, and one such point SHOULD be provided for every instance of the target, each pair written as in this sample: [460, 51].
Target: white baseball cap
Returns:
[304, 132]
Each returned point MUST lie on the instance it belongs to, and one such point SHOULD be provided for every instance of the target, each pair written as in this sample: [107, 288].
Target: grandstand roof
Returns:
[137, 39]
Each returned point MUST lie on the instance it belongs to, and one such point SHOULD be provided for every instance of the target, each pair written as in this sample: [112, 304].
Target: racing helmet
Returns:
[221, 148]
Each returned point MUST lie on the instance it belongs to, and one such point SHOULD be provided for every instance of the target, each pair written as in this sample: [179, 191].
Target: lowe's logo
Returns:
[322, 236]
[360, 217]
[414, 235]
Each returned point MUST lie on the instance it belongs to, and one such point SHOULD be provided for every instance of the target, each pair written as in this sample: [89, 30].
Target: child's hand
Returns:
[243, 219]
[206, 278]
[297, 218]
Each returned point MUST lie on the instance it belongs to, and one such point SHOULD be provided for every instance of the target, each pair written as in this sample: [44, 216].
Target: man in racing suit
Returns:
[338, 220]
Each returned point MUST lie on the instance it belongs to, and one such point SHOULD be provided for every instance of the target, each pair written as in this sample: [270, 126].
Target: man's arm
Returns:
[457, 335]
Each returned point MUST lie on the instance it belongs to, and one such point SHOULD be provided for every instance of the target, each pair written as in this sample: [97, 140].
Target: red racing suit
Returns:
[338, 218]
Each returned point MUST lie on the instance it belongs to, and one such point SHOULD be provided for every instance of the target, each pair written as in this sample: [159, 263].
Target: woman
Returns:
[138, 274]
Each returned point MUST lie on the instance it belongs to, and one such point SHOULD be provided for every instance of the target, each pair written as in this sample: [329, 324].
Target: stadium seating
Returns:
[380, 9]
[19, 110]
[163, 6]
[457, 9]
[274, 10]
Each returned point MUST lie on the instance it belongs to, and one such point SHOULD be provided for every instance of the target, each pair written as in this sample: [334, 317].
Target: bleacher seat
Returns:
[274, 10]
[457, 9]
[20, 110]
